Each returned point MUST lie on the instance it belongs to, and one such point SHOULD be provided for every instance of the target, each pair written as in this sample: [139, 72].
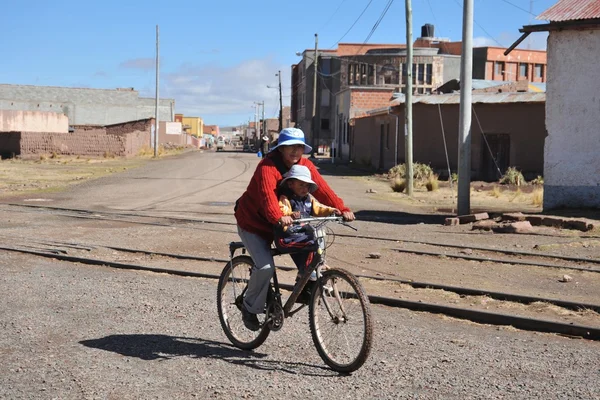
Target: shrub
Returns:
[421, 173]
[398, 185]
[454, 177]
[432, 183]
[539, 181]
[512, 177]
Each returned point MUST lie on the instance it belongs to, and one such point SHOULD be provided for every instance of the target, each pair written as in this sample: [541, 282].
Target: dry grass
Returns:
[432, 183]
[398, 185]
[537, 197]
[517, 194]
[495, 192]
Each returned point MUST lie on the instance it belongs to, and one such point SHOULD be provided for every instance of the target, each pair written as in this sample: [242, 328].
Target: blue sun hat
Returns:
[290, 137]
[301, 173]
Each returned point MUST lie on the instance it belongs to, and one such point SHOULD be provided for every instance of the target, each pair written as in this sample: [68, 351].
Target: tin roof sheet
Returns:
[477, 98]
[569, 10]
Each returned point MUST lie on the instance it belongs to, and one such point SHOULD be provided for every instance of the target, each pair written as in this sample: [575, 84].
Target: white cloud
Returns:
[145, 64]
[211, 90]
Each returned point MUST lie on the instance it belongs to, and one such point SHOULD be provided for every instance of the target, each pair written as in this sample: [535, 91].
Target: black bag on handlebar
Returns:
[296, 239]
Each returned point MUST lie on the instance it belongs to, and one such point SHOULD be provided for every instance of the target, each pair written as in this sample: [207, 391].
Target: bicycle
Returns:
[336, 294]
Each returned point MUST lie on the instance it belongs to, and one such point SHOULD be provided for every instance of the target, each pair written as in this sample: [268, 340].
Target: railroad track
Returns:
[59, 250]
[213, 226]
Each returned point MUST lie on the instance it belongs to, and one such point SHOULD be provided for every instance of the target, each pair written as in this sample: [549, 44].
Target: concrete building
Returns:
[355, 78]
[33, 121]
[193, 125]
[572, 148]
[85, 106]
[508, 130]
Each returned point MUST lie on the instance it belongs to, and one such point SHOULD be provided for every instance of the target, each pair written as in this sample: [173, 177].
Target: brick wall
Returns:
[91, 144]
[363, 100]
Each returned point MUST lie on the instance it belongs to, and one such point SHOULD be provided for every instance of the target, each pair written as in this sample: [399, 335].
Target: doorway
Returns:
[498, 151]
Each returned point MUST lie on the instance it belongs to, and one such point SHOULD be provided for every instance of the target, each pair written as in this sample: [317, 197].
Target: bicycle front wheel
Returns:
[340, 320]
[230, 294]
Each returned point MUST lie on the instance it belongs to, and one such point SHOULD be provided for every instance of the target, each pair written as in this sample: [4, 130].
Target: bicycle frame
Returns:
[317, 262]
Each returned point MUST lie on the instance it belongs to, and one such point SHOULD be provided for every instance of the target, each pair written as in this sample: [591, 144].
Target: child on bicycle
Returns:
[295, 200]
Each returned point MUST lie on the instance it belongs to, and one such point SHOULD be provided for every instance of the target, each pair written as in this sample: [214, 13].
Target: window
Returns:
[498, 68]
[325, 123]
[390, 74]
[421, 76]
[429, 74]
[414, 74]
[523, 70]
[325, 65]
[538, 71]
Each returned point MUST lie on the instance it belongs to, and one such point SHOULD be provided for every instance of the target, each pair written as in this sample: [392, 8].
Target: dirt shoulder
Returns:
[49, 174]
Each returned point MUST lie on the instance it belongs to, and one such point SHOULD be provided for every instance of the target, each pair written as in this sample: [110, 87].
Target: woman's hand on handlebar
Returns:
[286, 220]
[348, 216]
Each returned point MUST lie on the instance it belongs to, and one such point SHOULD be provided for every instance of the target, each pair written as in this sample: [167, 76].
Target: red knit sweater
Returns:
[258, 208]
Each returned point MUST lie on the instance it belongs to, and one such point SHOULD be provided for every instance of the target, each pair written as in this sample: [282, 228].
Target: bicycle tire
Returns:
[357, 336]
[229, 296]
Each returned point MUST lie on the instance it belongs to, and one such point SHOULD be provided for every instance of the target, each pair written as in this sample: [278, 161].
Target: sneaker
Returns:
[250, 320]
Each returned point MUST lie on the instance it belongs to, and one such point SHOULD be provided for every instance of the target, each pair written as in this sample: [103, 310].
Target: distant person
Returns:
[264, 145]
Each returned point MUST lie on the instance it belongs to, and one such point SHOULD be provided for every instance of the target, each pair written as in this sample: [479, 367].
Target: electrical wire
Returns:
[332, 15]
[349, 29]
[516, 6]
[481, 27]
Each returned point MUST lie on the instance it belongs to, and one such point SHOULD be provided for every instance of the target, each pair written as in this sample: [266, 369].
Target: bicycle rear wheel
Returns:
[230, 294]
[340, 321]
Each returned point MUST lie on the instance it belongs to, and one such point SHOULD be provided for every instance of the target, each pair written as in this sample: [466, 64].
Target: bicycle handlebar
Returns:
[317, 219]
[324, 219]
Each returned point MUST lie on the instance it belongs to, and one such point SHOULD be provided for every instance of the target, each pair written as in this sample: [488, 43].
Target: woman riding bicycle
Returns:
[257, 211]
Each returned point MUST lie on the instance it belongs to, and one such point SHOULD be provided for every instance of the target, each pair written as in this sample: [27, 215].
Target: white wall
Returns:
[572, 148]
[33, 121]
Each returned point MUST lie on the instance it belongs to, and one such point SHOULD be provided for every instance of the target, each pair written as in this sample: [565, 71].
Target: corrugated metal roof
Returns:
[486, 84]
[537, 87]
[569, 10]
[487, 98]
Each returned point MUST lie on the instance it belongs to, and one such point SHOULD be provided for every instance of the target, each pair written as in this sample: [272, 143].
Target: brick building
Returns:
[509, 131]
[358, 77]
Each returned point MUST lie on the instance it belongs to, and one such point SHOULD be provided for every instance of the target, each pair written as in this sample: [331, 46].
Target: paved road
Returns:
[75, 331]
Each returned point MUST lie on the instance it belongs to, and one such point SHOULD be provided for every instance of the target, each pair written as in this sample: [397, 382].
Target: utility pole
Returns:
[408, 131]
[264, 123]
[314, 108]
[280, 103]
[156, 105]
[464, 123]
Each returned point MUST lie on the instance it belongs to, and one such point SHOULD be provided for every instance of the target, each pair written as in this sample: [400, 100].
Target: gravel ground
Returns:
[71, 331]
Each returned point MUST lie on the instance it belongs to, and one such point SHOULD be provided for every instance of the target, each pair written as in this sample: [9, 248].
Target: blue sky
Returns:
[217, 57]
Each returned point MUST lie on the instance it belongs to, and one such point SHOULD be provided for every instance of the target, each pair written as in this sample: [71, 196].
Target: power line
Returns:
[332, 15]
[349, 29]
[522, 9]
[481, 27]
[385, 10]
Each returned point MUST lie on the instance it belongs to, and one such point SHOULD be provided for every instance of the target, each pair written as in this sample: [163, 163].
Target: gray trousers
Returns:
[260, 251]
